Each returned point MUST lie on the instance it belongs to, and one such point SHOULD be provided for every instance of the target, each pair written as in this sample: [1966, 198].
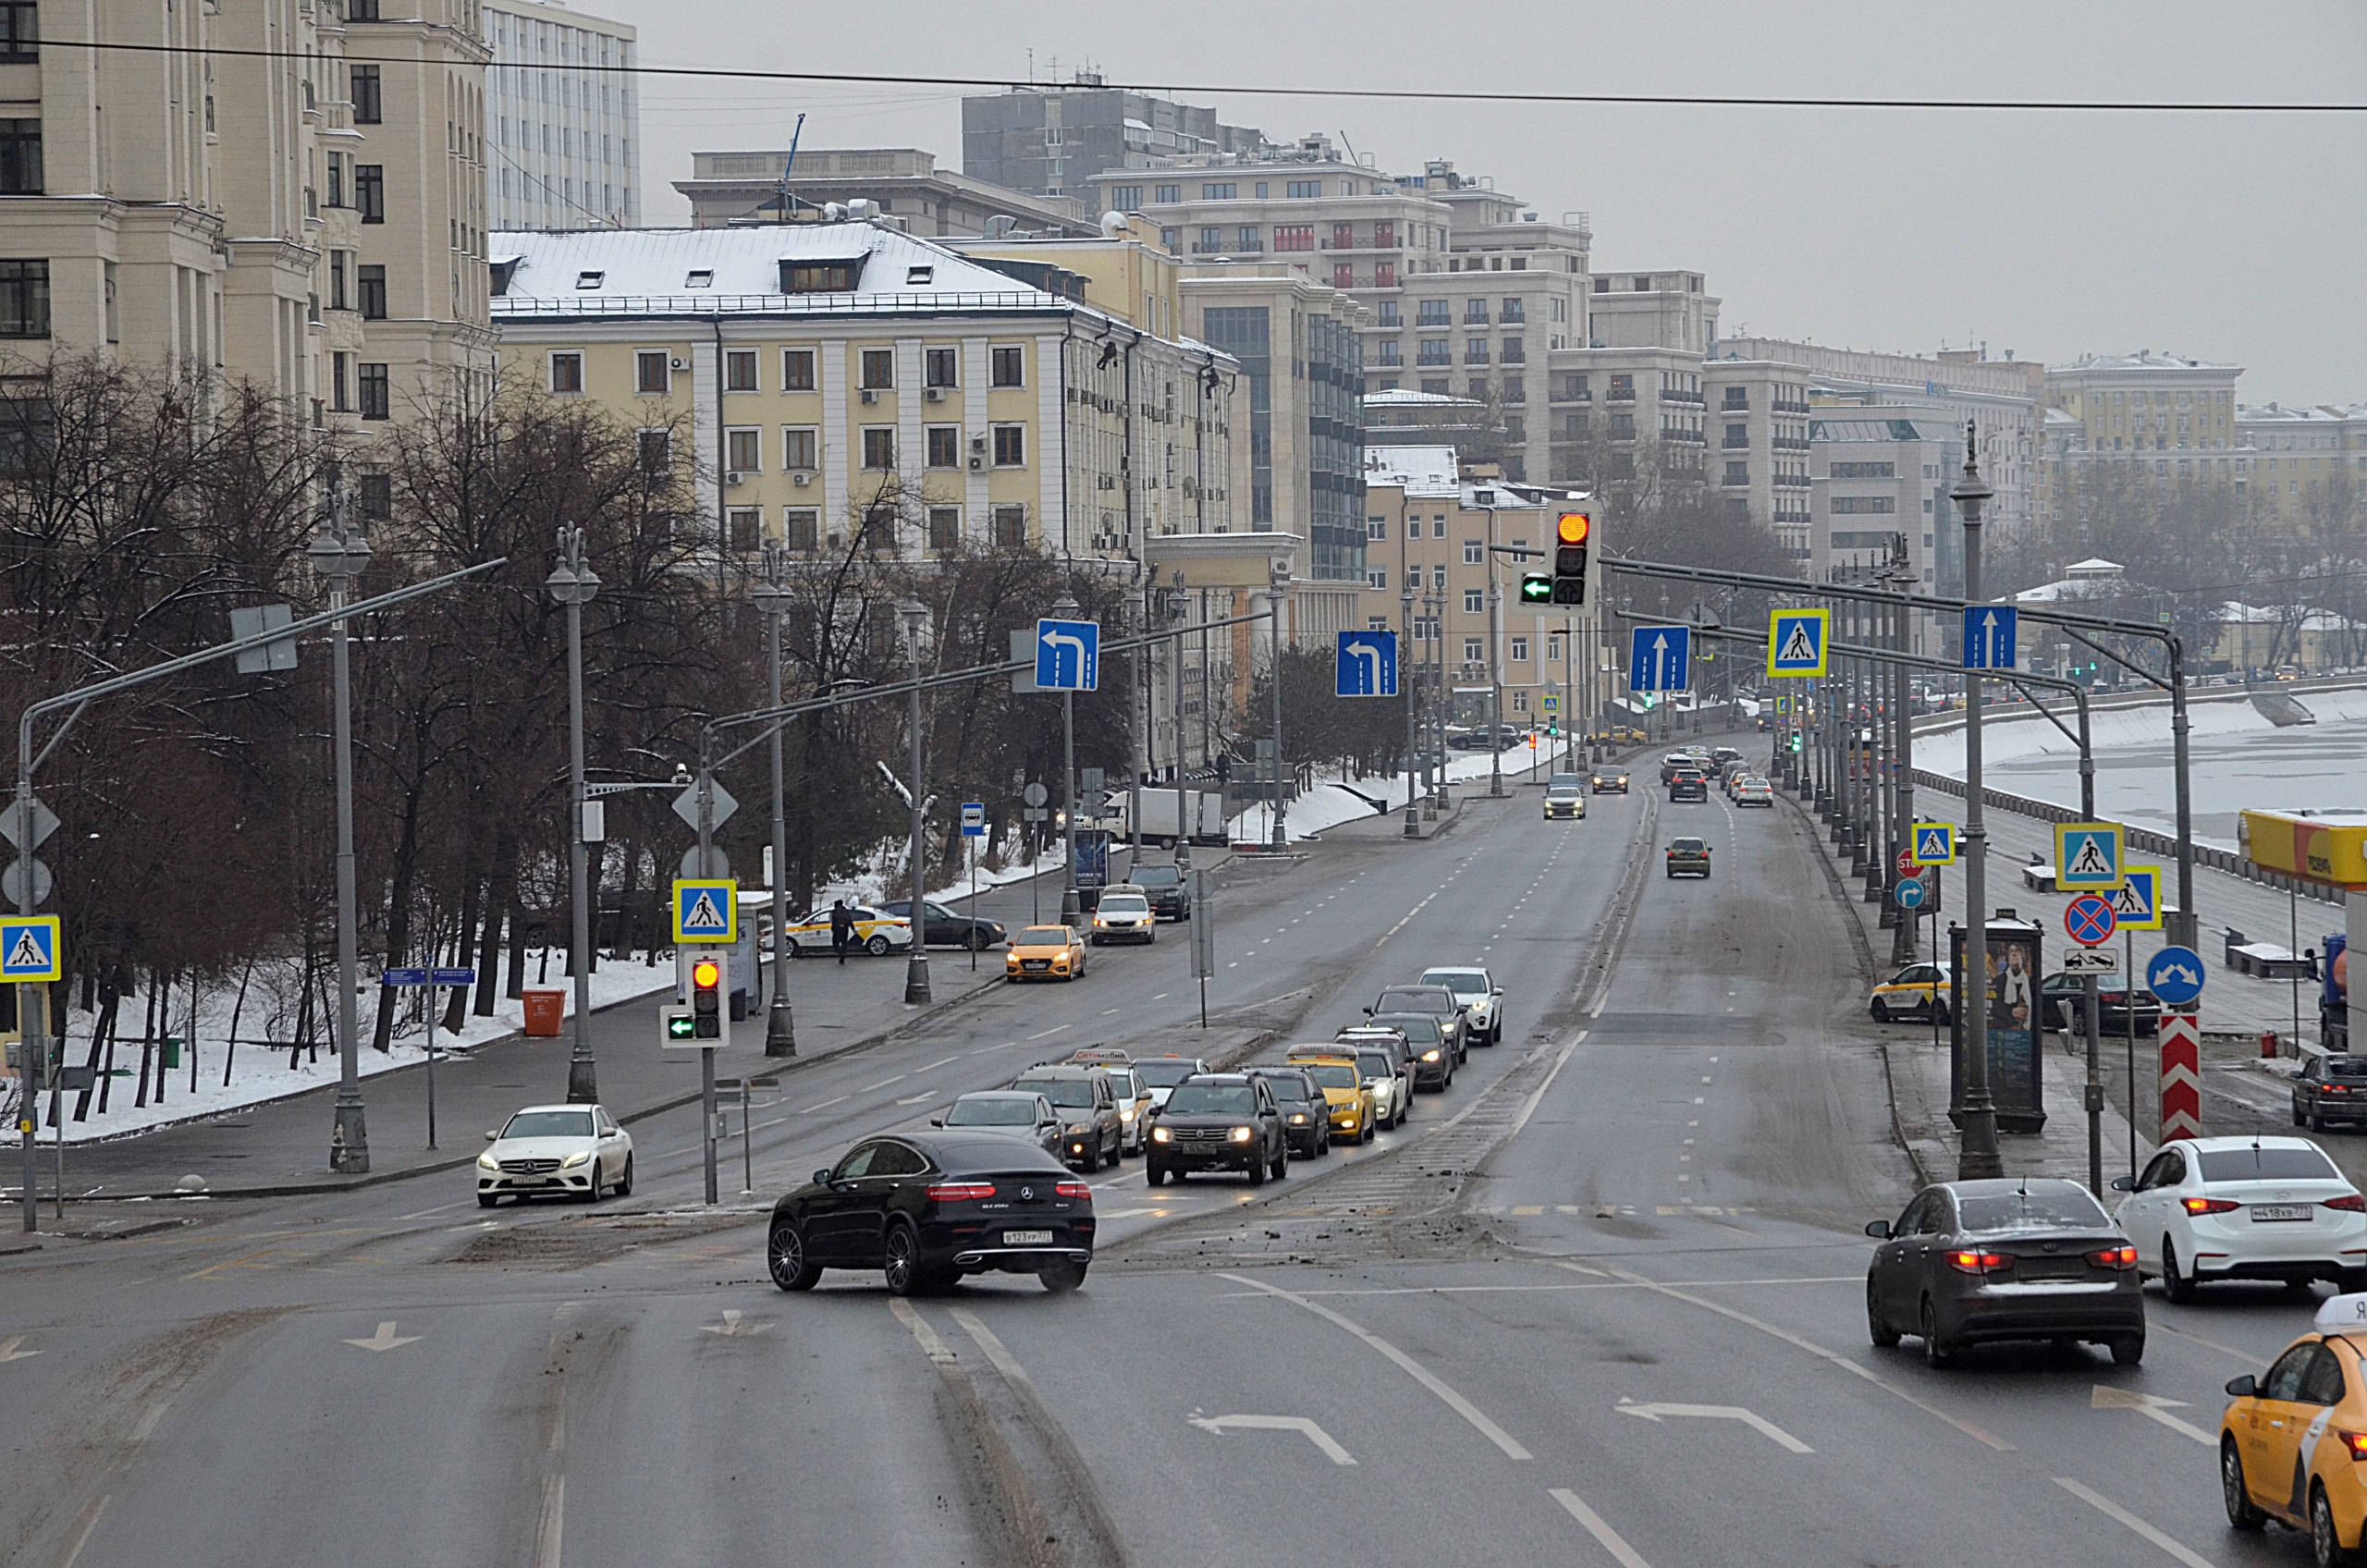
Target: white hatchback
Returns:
[561, 1150]
[2244, 1208]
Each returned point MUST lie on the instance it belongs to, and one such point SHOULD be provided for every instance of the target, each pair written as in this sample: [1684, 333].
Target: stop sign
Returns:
[1907, 867]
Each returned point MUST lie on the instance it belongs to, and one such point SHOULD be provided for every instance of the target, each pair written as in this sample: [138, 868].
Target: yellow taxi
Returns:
[1914, 992]
[875, 932]
[1043, 953]
[1345, 1095]
[2293, 1442]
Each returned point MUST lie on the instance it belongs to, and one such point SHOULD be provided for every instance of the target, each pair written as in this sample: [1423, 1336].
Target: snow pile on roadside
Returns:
[2003, 739]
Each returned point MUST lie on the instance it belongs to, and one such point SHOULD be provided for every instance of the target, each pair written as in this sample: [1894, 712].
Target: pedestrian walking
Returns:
[841, 928]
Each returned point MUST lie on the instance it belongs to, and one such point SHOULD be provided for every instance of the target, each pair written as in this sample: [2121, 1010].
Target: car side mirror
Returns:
[2124, 1184]
[822, 1178]
[1878, 1228]
[1368, 1012]
[491, 1136]
[2243, 1387]
[936, 1121]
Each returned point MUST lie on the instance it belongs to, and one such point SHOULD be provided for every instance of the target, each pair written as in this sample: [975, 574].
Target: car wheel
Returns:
[785, 1257]
[2317, 1122]
[624, 1182]
[2325, 1544]
[2174, 1286]
[2297, 1113]
[1153, 1174]
[1091, 1161]
[1880, 1014]
[1939, 1012]
[1283, 1163]
[1257, 1174]
[1937, 1352]
[2242, 1513]
[877, 946]
[599, 1184]
[1882, 1334]
[1062, 1277]
[794, 951]
[2128, 1350]
[487, 1200]
[1116, 1152]
[976, 941]
[902, 1261]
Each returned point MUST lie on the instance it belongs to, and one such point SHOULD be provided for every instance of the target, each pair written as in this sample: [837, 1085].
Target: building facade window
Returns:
[656, 449]
[739, 371]
[1475, 650]
[1125, 198]
[375, 495]
[1007, 364]
[651, 373]
[20, 29]
[797, 370]
[939, 367]
[1738, 473]
[370, 191]
[566, 373]
[370, 286]
[1168, 195]
[1293, 237]
[1303, 190]
[744, 449]
[880, 370]
[368, 95]
[741, 525]
[944, 528]
[944, 446]
[1475, 552]
[1519, 653]
[1011, 446]
[21, 158]
[1343, 274]
[1221, 191]
[799, 448]
[1010, 527]
[376, 391]
[880, 446]
[341, 383]
[1474, 601]
[1862, 505]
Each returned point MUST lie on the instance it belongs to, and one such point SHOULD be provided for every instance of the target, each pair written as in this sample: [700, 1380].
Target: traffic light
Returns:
[1536, 588]
[1795, 740]
[710, 1015]
[1572, 533]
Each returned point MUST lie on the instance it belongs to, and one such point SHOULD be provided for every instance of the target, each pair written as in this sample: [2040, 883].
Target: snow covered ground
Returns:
[1337, 798]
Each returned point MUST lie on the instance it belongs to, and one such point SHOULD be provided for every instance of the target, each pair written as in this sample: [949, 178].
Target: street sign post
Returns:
[1068, 655]
[1908, 894]
[402, 977]
[1660, 658]
[1365, 665]
[974, 819]
[2087, 856]
[2089, 920]
[1932, 843]
[1796, 642]
[1991, 636]
[706, 909]
[2181, 1041]
[1203, 939]
[31, 948]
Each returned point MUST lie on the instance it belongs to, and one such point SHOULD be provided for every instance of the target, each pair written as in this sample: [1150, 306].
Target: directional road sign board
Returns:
[402, 977]
[2181, 1038]
[974, 819]
[1660, 658]
[1366, 664]
[1068, 655]
[2087, 856]
[1935, 843]
[453, 976]
[1908, 894]
[2089, 919]
[1796, 642]
[2174, 975]
[44, 823]
[2138, 905]
[706, 909]
[1990, 633]
[719, 807]
[31, 949]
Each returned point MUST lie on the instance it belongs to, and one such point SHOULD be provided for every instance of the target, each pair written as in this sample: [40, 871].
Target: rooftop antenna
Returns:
[789, 163]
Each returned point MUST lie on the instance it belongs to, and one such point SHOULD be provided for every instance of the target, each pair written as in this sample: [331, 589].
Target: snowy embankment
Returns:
[1338, 798]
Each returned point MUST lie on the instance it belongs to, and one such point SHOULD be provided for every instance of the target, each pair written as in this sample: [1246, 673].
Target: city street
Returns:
[1649, 1197]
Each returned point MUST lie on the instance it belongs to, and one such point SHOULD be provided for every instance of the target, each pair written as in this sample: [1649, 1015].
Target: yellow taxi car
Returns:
[1914, 992]
[1043, 953]
[1345, 1095]
[2293, 1442]
[875, 932]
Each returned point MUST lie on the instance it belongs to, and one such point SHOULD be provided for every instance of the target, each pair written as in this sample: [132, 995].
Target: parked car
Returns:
[2066, 1006]
[877, 932]
[2330, 1090]
[1218, 1121]
[943, 928]
[1912, 992]
[2247, 1207]
[929, 1207]
[1169, 893]
[555, 1151]
[1017, 1113]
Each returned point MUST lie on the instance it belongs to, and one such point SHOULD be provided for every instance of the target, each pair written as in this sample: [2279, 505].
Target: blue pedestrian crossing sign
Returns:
[30, 948]
[2138, 905]
[1934, 844]
[1796, 642]
[1366, 664]
[1068, 655]
[2087, 856]
[706, 910]
[1990, 633]
[1660, 658]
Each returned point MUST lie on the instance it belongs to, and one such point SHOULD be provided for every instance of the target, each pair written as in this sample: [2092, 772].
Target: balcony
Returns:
[1563, 395]
[1735, 405]
[1686, 437]
[1670, 397]
[1434, 361]
[1784, 407]
[1735, 443]
[1791, 482]
[1435, 322]
[1620, 395]
[1475, 357]
[1791, 443]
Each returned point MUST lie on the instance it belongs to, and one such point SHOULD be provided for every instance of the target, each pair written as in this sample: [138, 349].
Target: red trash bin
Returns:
[546, 1010]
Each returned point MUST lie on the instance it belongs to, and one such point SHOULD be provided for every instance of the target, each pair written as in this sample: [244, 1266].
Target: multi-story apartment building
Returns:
[1430, 522]
[1655, 310]
[2152, 416]
[1054, 141]
[904, 183]
[848, 385]
[1873, 480]
[266, 210]
[2303, 466]
[1756, 415]
[564, 120]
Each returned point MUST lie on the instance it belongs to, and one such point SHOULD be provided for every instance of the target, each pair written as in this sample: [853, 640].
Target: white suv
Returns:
[565, 1151]
[2245, 1208]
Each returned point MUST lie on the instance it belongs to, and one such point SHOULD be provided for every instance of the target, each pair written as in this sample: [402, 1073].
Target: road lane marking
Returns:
[1756, 1423]
[941, 1062]
[882, 1083]
[1300, 1423]
[908, 1100]
[823, 1106]
[552, 1524]
[149, 1419]
[1412, 1369]
[90, 1523]
[1047, 1034]
[9, 1350]
[2118, 1514]
[1605, 1536]
[931, 1346]
[385, 1339]
[2154, 1407]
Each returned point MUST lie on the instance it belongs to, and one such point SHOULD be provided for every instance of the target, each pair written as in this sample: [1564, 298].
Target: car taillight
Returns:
[960, 1192]
[2355, 1442]
[1071, 1190]
[2209, 1205]
[2115, 1257]
[1979, 1262]
[2350, 1204]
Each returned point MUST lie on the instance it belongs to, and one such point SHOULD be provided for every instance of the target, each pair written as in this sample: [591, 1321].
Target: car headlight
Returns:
[1298, 1118]
[1098, 920]
[1429, 1056]
[1125, 1113]
[1242, 1134]
[486, 1162]
[1161, 1135]
[572, 1161]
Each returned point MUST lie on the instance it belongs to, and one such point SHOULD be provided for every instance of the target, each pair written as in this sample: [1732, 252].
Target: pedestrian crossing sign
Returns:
[1935, 844]
[29, 948]
[2139, 902]
[706, 910]
[2087, 856]
[1796, 642]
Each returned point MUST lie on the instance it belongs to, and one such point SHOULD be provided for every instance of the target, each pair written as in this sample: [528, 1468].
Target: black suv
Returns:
[1307, 1120]
[1218, 1121]
[1171, 896]
[1455, 1021]
[1687, 785]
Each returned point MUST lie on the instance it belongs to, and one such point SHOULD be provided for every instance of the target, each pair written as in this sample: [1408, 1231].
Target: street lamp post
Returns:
[340, 553]
[1495, 670]
[1977, 1158]
[1065, 607]
[772, 602]
[1412, 744]
[1435, 603]
[915, 618]
[1179, 613]
[1278, 583]
[572, 584]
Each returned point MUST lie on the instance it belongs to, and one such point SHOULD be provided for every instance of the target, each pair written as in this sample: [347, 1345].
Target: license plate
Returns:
[2280, 1211]
[1027, 1238]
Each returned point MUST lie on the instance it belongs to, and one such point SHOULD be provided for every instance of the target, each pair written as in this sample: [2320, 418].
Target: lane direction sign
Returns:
[1908, 894]
[2087, 856]
[2138, 905]
[1366, 664]
[1068, 655]
[2089, 919]
[1992, 636]
[1660, 658]
[706, 909]
[2175, 976]
[1933, 843]
[1796, 641]
[31, 949]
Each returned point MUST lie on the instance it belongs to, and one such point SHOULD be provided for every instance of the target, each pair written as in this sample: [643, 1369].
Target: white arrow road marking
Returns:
[2154, 1407]
[385, 1339]
[733, 1326]
[1314, 1434]
[9, 1350]
[1759, 1424]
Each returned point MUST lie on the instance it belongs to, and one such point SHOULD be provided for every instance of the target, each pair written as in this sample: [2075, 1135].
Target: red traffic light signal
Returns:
[1571, 531]
[705, 975]
[1571, 528]
[710, 1021]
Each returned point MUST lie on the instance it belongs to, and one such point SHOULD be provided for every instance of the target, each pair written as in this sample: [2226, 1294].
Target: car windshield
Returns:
[1419, 1028]
[1124, 903]
[1337, 1077]
[1067, 1093]
[1376, 1065]
[1156, 876]
[1561, 792]
[549, 1124]
[1290, 1086]
[2257, 1164]
[1044, 936]
[1463, 982]
[1411, 1001]
[1216, 1099]
[1688, 846]
[2339, 1067]
[2049, 1208]
[992, 1113]
[1165, 1074]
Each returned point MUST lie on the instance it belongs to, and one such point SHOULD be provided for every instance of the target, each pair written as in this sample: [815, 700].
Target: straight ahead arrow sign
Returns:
[9, 1350]
[2154, 1407]
[386, 1338]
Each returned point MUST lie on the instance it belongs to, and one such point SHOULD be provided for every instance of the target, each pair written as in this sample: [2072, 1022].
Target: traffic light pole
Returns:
[706, 868]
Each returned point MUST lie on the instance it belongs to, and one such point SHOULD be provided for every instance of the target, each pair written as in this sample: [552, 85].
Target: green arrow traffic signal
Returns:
[1536, 588]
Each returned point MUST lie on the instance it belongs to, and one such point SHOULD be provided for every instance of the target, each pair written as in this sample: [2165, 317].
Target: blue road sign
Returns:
[1660, 658]
[974, 819]
[706, 910]
[1366, 664]
[1796, 642]
[453, 976]
[1991, 634]
[2175, 976]
[1068, 655]
[2089, 920]
[1908, 894]
[29, 948]
[2087, 856]
[402, 977]
[1935, 844]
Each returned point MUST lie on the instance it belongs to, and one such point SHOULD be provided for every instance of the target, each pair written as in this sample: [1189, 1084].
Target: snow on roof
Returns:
[2094, 565]
[673, 271]
[1427, 471]
[1403, 397]
[2148, 360]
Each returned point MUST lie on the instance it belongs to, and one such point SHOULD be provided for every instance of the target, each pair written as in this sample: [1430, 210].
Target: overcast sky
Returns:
[2238, 238]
